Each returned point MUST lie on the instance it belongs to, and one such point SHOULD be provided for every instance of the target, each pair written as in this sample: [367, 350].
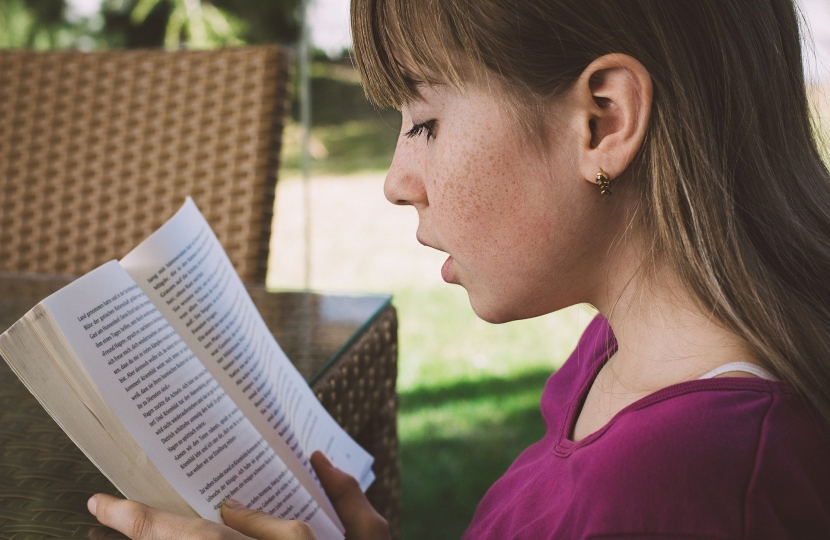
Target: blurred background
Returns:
[469, 390]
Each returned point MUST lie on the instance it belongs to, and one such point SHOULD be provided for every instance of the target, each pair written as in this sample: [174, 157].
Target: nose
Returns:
[404, 182]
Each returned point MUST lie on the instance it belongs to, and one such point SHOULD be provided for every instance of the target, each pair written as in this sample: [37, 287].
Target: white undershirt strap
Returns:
[745, 367]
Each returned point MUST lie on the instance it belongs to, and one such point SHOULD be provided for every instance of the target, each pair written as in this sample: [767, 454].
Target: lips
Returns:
[446, 269]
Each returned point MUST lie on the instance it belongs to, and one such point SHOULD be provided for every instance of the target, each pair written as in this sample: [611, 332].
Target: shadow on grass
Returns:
[444, 476]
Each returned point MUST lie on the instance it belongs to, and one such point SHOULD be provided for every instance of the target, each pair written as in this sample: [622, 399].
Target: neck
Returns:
[663, 336]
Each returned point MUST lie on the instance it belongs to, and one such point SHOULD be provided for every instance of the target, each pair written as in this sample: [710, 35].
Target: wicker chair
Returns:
[97, 150]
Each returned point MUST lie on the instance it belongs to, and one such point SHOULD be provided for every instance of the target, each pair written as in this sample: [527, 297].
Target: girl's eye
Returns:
[418, 129]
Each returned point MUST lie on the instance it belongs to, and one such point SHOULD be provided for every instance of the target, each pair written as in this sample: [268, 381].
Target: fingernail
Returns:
[92, 504]
[233, 504]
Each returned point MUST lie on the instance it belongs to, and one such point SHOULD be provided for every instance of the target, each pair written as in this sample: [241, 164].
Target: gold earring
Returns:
[604, 183]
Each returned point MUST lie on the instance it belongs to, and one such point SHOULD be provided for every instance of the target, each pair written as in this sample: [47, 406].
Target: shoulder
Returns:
[725, 456]
[693, 450]
[737, 430]
[705, 421]
[789, 492]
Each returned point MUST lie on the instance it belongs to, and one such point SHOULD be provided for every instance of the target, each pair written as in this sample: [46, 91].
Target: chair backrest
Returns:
[99, 149]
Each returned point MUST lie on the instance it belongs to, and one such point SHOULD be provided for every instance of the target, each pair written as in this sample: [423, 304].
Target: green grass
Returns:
[442, 342]
[456, 440]
[469, 401]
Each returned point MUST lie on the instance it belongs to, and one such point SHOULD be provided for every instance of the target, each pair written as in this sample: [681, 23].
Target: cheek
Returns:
[464, 200]
[489, 199]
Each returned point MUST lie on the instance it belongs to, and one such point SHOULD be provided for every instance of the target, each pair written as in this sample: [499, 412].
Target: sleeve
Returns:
[788, 496]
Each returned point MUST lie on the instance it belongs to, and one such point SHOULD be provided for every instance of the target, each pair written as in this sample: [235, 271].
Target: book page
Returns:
[199, 292]
[177, 412]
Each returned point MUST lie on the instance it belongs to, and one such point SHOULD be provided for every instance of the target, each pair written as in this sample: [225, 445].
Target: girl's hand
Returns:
[141, 522]
[361, 520]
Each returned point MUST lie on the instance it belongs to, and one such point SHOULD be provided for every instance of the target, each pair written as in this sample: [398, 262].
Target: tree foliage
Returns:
[40, 24]
[50, 24]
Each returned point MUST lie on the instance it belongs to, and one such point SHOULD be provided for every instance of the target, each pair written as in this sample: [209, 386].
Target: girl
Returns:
[655, 159]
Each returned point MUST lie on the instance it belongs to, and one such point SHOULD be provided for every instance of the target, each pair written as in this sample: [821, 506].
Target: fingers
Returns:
[262, 526]
[141, 522]
[361, 520]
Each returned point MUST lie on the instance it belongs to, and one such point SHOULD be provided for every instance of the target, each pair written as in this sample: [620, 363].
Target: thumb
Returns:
[361, 520]
[262, 526]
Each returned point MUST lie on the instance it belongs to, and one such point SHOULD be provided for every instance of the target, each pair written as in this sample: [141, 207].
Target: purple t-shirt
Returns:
[713, 458]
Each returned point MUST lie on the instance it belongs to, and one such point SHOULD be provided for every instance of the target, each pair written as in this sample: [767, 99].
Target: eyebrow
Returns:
[412, 82]
[417, 84]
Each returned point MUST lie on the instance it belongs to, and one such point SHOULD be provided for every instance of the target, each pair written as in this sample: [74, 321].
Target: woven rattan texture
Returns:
[44, 479]
[98, 149]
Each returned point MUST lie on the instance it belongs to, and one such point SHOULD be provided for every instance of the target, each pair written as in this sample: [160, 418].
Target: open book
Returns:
[161, 370]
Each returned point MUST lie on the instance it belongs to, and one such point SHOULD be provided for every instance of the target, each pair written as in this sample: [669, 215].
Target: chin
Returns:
[494, 317]
[495, 312]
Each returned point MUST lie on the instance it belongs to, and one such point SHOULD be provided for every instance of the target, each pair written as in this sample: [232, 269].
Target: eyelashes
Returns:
[419, 129]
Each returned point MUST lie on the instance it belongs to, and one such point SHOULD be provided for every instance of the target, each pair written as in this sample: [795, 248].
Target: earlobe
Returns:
[616, 96]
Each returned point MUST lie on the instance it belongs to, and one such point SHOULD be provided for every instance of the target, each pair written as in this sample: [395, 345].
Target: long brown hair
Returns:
[730, 177]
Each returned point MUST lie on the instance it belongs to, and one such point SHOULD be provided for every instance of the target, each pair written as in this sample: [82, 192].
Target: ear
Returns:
[613, 96]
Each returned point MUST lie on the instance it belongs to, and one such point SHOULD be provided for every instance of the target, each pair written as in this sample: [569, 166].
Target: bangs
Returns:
[400, 44]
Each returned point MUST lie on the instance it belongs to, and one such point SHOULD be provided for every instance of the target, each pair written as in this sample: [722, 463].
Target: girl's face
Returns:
[513, 216]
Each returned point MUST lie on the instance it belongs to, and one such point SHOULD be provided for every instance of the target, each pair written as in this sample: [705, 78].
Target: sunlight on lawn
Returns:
[442, 341]
[820, 102]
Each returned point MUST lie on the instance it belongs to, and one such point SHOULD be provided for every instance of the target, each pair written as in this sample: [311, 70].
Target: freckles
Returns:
[476, 178]
[485, 203]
